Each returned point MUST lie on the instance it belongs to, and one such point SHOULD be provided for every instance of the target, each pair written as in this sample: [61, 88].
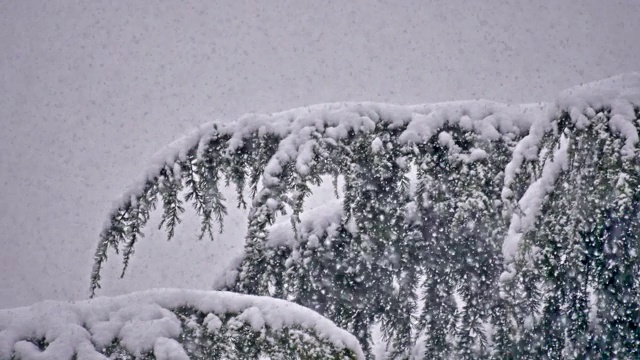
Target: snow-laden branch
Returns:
[155, 321]
[259, 148]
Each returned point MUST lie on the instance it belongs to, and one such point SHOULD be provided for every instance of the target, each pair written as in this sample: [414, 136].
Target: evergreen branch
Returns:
[172, 205]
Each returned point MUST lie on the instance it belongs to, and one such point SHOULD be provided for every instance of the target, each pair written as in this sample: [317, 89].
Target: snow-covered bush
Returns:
[467, 229]
[172, 324]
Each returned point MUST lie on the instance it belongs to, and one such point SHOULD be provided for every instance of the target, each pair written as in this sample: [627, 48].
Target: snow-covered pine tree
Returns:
[435, 201]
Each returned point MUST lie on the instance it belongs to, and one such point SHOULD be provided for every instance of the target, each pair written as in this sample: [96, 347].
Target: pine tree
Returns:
[470, 229]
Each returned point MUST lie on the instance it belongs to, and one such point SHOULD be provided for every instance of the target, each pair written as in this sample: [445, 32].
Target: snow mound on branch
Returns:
[314, 221]
[619, 93]
[531, 203]
[143, 322]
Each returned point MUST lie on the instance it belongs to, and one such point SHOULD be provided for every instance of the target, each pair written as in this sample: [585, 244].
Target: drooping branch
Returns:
[182, 323]
[278, 151]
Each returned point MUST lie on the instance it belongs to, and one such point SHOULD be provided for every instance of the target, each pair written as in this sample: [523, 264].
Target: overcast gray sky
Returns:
[89, 90]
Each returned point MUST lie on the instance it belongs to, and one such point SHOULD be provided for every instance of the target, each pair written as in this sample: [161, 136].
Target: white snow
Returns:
[526, 149]
[624, 126]
[477, 154]
[142, 322]
[445, 139]
[524, 218]
[213, 323]
[376, 145]
[313, 222]
[253, 317]
[168, 349]
[617, 92]
[229, 274]
[621, 93]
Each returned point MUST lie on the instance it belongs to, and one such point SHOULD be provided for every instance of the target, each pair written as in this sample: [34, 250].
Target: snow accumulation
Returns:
[618, 91]
[315, 221]
[143, 322]
[489, 120]
[621, 93]
[531, 203]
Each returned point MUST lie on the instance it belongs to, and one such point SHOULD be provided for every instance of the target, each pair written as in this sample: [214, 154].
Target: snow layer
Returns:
[314, 221]
[142, 322]
[617, 92]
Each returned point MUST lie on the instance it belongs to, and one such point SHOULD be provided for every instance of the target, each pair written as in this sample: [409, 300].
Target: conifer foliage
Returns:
[466, 230]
